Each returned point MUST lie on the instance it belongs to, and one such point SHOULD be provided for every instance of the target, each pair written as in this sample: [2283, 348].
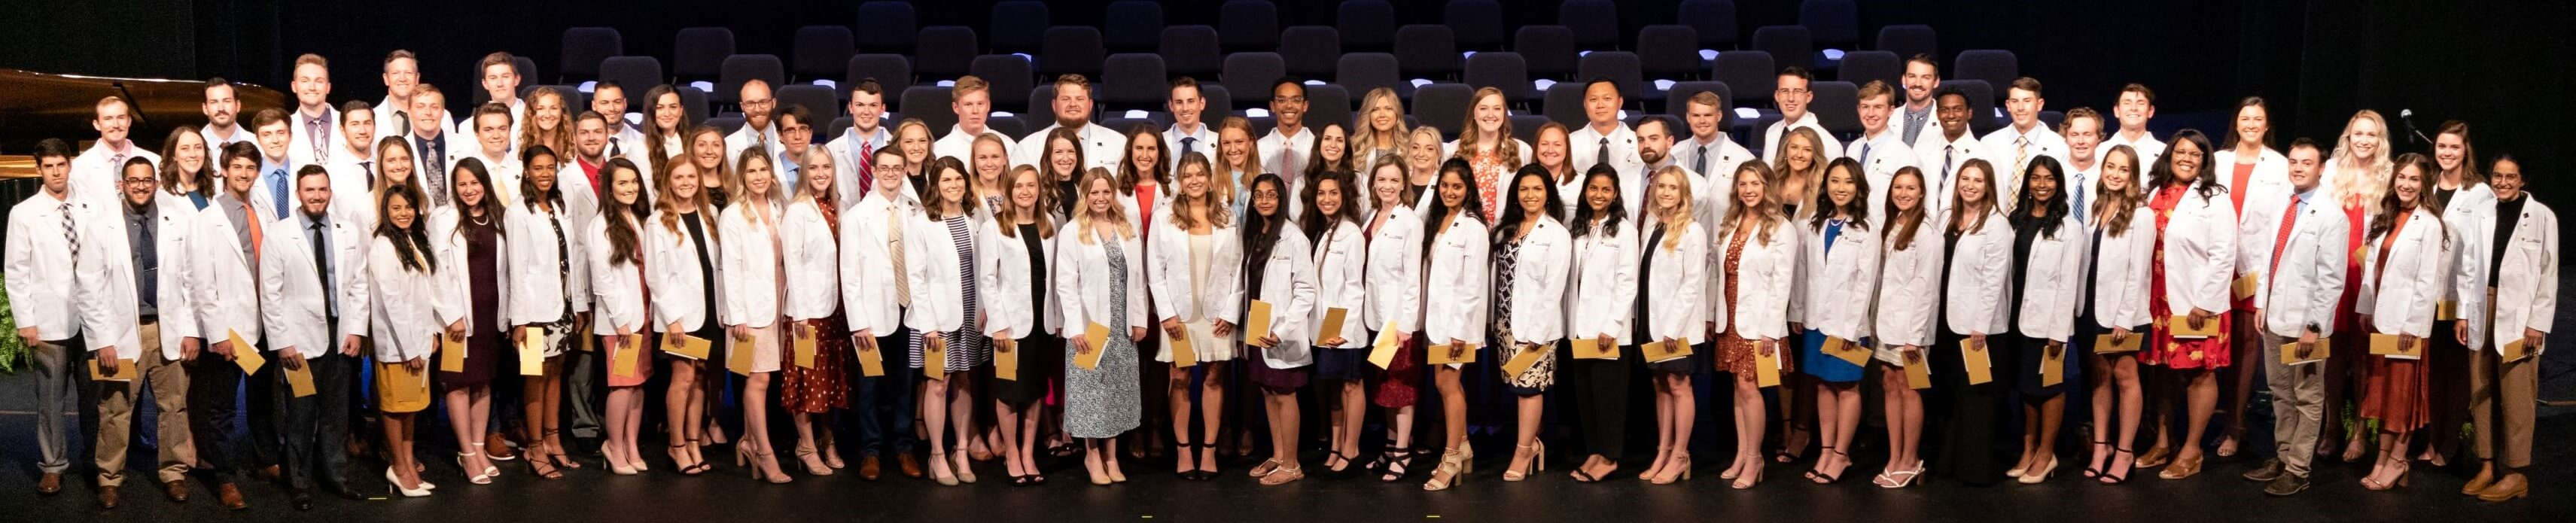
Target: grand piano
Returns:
[45, 105]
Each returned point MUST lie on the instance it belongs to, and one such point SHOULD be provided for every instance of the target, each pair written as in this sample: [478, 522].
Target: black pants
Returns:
[882, 407]
[583, 393]
[313, 426]
[213, 403]
[1600, 390]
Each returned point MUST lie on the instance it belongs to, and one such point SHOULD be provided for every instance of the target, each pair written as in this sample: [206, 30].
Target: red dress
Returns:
[2162, 347]
[2397, 387]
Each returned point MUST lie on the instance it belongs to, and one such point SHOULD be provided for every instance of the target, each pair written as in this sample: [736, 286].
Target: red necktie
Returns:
[2289, 222]
[867, 169]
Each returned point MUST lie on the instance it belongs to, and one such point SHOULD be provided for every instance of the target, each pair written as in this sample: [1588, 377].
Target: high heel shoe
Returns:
[1816, 473]
[478, 477]
[2040, 474]
[1186, 466]
[2405, 470]
[965, 470]
[2181, 468]
[396, 483]
[1455, 464]
[617, 464]
[2107, 468]
[1538, 461]
[939, 461]
[1398, 465]
[1903, 478]
[765, 467]
[1748, 480]
[2100, 459]
[688, 467]
[805, 455]
[2156, 456]
[1820, 477]
[1680, 465]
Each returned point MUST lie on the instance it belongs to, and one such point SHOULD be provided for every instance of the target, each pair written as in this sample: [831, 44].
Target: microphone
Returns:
[2408, 116]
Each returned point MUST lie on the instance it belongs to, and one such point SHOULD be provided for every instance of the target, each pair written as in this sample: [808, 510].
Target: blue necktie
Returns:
[277, 192]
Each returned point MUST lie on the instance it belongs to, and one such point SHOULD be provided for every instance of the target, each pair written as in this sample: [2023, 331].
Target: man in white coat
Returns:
[353, 169]
[2297, 309]
[1881, 149]
[225, 250]
[972, 101]
[1793, 97]
[1102, 147]
[42, 232]
[1942, 153]
[313, 119]
[94, 173]
[759, 127]
[2011, 148]
[313, 297]
[1708, 152]
[2083, 133]
[2136, 106]
[874, 294]
[139, 320]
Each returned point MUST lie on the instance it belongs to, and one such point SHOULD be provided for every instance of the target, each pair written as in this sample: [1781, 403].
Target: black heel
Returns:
[2116, 452]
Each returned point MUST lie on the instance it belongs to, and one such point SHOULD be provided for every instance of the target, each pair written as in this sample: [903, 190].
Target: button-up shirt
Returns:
[140, 232]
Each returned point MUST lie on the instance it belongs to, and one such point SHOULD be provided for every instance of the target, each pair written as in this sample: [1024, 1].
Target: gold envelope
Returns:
[1847, 350]
[1256, 321]
[871, 358]
[1382, 353]
[2387, 345]
[1439, 354]
[1593, 349]
[1980, 369]
[624, 364]
[1766, 368]
[1660, 351]
[1919, 375]
[1183, 355]
[451, 354]
[246, 356]
[2181, 326]
[2103, 343]
[2245, 286]
[1332, 323]
[532, 352]
[2290, 352]
[1523, 359]
[804, 347]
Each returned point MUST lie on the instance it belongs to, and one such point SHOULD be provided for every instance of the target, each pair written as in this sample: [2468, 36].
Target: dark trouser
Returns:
[313, 426]
[2448, 395]
[213, 402]
[583, 394]
[893, 392]
[267, 447]
[1601, 401]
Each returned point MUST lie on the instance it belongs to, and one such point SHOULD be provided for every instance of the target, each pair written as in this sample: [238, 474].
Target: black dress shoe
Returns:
[301, 500]
[347, 493]
[2286, 485]
[2271, 470]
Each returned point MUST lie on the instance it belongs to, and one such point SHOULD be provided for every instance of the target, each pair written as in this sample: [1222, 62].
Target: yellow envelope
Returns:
[691, 347]
[125, 371]
[1593, 349]
[532, 352]
[301, 380]
[1098, 336]
[934, 356]
[2181, 327]
[451, 354]
[1766, 368]
[1523, 359]
[1332, 323]
[2245, 285]
[589, 343]
[1439, 354]
[1847, 350]
[624, 361]
[804, 347]
[739, 359]
[871, 358]
[2052, 368]
[2290, 352]
[2518, 351]
[1183, 355]
[2446, 310]
[2103, 343]
[1919, 375]
[1382, 353]
[247, 356]
[1256, 321]
[1006, 359]
[2386, 345]
[1980, 369]
[1659, 352]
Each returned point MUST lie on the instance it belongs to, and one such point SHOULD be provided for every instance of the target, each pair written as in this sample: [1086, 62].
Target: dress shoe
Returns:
[344, 492]
[50, 484]
[868, 468]
[301, 500]
[2286, 484]
[2505, 489]
[911, 465]
[107, 496]
[2271, 470]
[177, 490]
[267, 473]
[498, 448]
[2479, 483]
[230, 496]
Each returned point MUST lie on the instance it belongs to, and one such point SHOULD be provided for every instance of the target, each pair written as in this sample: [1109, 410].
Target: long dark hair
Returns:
[553, 195]
[1512, 213]
[1859, 206]
[492, 207]
[2162, 173]
[407, 242]
[1314, 223]
[1261, 232]
[622, 242]
[1618, 208]
[2385, 220]
[2052, 211]
[1902, 224]
[1471, 205]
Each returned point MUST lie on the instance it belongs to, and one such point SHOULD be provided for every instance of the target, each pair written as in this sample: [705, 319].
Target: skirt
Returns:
[2397, 396]
[1276, 380]
[825, 387]
[1813, 360]
[765, 344]
[1736, 355]
[1338, 364]
[1041, 360]
[1204, 343]
[643, 371]
[1698, 360]
[2034, 352]
[1532, 382]
[482, 360]
[1400, 384]
[387, 380]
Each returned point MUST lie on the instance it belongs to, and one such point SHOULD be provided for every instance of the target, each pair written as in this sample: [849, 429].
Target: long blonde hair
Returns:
[1766, 208]
[1241, 171]
[741, 180]
[1676, 218]
[1381, 97]
[1504, 148]
[1090, 222]
[559, 139]
[1811, 179]
[2353, 177]
[1216, 215]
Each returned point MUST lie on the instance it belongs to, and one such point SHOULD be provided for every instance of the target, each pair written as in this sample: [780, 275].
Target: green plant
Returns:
[13, 351]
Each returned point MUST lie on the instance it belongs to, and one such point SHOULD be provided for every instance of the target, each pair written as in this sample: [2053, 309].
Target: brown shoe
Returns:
[2478, 485]
[177, 490]
[2511, 486]
[50, 484]
[267, 473]
[868, 468]
[230, 496]
[498, 448]
[911, 465]
[107, 496]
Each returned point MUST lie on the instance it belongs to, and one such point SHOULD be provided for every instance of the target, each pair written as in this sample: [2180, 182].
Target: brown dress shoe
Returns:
[2479, 483]
[231, 496]
[268, 473]
[2506, 488]
[177, 490]
[911, 465]
[107, 496]
[868, 468]
[50, 484]
[498, 448]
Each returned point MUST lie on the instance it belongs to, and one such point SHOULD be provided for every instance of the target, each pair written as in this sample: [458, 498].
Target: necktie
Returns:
[322, 268]
[867, 173]
[1602, 157]
[1699, 162]
[894, 252]
[1947, 161]
[316, 128]
[2021, 152]
[614, 150]
[253, 222]
[71, 235]
[1864, 154]
[2078, 190]
[1186, 142]
[2289, 222]
[276, 195]
[368, 167]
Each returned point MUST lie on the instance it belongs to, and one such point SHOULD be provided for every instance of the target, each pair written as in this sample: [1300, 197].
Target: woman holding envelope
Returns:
[680, 253]
[551, 295]
[2402, 276]
[1973, 312]
[1102, 293]
[1394, 309]
[469, 236]
[2358, 172]
[1020, 249]
[1842, 261]
[616, 260]
[1281, 274]
[1604, 298]
[2115, 317]
[1195, 272]
[412, 317]
[755, 281]
[808, 246]
[1532, 255]
[2513, 248]
[1909, 298]
[1455, 250]
[2188, 292]
[1759, 260]
[1332, 224]
[2051, 244]
[947, 314]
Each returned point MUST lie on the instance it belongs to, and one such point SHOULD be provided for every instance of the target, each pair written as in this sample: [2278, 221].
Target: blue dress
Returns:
[1811, 353]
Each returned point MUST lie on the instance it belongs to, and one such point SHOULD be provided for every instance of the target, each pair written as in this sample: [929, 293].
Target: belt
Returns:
[149, 319]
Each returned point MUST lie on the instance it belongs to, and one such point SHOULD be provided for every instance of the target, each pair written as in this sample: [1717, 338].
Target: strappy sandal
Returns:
[1902, 478]
[543, 468]
[2093, 469]
[1811, 474]
[2123, 477]
[1455, 464]
[1397, 462]
[1822, 478]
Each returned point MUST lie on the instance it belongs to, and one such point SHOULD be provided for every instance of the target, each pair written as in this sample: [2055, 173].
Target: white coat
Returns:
[540, 288]
[2266, 191]
[458, 275]
[618, 289]
[222, 279]
[1002, 276]
[749, 268]
[2053, 281]
[1395, 272]
[1288, 283]
[1980, 279]
[671, 271]
[1457, 266]
[1909, 290]
[109, 309]
[2468, 204]
[1167, 266]
[1763, 283]
[1081, 285]
[2526, 283]
[2120, 273]
[1538, 283]
[2200, 250]
[1602, 296]
[1341, 274]
[2307, 283]
[2399, 294]
[409, 306]
[933, 263]
[813, 262]
[291, 300]
[1837, 285]
[867, 266]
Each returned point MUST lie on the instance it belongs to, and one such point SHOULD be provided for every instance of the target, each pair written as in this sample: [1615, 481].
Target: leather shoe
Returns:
[911, 465]
[107, 496]
[498, 448]
[868, 468]
[267, 473]
[344, 492]
[177, 490]
[2286, 485]
[301, 500]
[2479, 483]
[50, 484]
[2271, 470]
[230, 496]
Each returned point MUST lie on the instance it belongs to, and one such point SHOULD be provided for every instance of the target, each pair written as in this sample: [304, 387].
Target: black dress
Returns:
[1039, 351]
[1698, 359]
[1967, 420]
[710, 330]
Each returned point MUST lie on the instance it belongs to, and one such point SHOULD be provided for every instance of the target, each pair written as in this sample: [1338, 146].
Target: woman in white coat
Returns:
[550, 294]
[680, 259]
[2258, 183]
[1602, 304]
[615, 254]
[755, 282]
[1454, 253]
[1840, 262]
[2122, 246]
[468, 235]
[1908, 300]
[2051, 243]
[1331, 224]
[1101, 283]
[1195, 272]
[413, 314]
[2402, 276]
[1757, 251]
[1671, 307]
[809, 235]
[2188, 288]
[2455, 186]
[946, 315]
[1020, 252]
[2512, 250]
[1532, 255]
[1394, 308]
[1974, 325]
[1279, 271]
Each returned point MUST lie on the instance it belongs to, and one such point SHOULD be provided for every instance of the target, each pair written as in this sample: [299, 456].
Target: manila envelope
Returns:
[2103, 343]
[624, 364]
[1382, 353]
[1766, 368]
[246, 356]
[2245, 285]
[691, 347]
[871, 358]
[532, 352]
[1848, 351]
[1593, 349]
[2290, 352]
[406, 387]
[2446, 310]
[1332, 323]
[1659, 352]
[934, 356]
[740, 359]
[1006, 359]
[2518, 351]
[804, 342]
[1256, 321]
[125, 371]
[2181, 326]
[1523, 359]
[1980, 369]
[300, 381]
[451, 354]
[1919, 375]
[1183, 355]
[1439, 354]
[1098, 336]
[2052, 369]
[2386, 345]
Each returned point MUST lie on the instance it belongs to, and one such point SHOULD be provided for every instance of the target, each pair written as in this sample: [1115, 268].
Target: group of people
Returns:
[987, 298]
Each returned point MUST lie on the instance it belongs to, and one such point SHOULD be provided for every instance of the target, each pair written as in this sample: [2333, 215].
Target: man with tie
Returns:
[1941, 154]
[313, 301]
[856, 148]
[1604, 138]
[94, 173]
[222, 109]
[1654, 146]
[276, 145]
[402, 81]
[609, 100]
[872, 236]
[1102, 147]
[313, 120]
[1881, 149]
[2083, 133]
[493, 138]
[972, 101]
[2012, 147]
[1922, 75]
[352, 168]
[1283, 151]
[2137, 104]
[1188, 133]
[758, 130]
[2297, 307]
[140, 322]
[795, 135]
[226, 250]
[1793, 97]
[1709, 151]
[39, 263]
[429, 151]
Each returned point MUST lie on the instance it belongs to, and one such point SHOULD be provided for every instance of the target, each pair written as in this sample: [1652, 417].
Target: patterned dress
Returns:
[822, 388]
[2162, 347]
[559, 333]
[967, 346]
[1540, 375]
[1735, 354]
[1103, 402]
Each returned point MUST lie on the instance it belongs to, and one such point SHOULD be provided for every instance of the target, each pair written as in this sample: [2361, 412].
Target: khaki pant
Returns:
[169, 383]
[2298, 403]
[2505, 393]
